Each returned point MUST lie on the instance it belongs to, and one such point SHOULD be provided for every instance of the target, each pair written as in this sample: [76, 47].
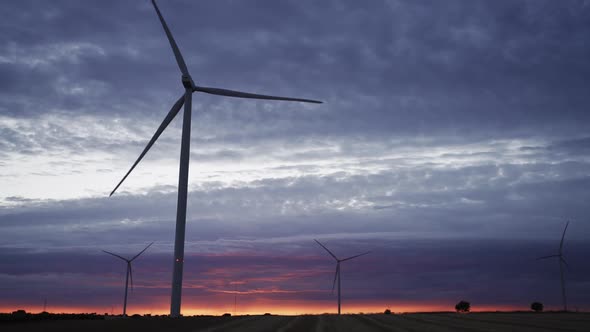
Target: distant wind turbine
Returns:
[235, 297]
[561, 262]
[186, 99]
[129, 274]
[337, 274]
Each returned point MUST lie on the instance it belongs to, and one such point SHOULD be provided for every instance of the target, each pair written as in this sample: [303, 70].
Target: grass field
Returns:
[443, 322]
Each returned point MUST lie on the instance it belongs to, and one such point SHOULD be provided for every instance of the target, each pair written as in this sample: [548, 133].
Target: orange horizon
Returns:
[262, 307]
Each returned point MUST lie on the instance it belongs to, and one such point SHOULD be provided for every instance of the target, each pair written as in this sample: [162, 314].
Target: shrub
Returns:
[387, 312]
[19, 314]
[463, 306]
[537, 306]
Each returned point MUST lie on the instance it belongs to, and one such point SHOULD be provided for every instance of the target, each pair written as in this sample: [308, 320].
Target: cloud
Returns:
[424, 270]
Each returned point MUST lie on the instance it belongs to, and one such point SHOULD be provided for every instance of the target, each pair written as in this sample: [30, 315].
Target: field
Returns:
[443, 322]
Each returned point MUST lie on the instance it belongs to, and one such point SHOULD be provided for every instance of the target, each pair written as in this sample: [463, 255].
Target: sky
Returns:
[453, 143]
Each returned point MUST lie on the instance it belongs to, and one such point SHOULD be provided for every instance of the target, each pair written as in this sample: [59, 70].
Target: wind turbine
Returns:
[186, 99]
[129, 274]
[337, 274]
[561, 262]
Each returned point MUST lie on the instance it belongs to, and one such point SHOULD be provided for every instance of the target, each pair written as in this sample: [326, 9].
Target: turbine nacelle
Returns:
[188, 83]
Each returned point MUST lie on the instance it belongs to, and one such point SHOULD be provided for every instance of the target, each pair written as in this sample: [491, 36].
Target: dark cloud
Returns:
[424, 270]
[382, 66]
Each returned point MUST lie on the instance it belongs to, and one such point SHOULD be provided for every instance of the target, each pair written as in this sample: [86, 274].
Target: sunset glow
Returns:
[262, 307]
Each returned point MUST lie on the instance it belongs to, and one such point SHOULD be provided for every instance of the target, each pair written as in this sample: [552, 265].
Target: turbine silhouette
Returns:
[129, 274]
[186, 99]
[561, 262]
[337, 274]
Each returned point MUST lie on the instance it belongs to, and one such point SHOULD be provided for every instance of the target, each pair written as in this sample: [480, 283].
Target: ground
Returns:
[443, 322]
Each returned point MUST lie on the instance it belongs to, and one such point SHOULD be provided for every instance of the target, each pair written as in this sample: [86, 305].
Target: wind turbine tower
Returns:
[189, 87]
[337, 274]
[561, 261]
[129, 274]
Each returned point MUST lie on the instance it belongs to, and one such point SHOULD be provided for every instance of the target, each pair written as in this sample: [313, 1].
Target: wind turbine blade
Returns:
[130, 274]
[335, 275]
[355, 256]
[110, 253]
[336, 258]
[563, 236]
[173, 111]
[141, 252]
[545, 257]
[563, 260]
[238, 94]
[175, 49]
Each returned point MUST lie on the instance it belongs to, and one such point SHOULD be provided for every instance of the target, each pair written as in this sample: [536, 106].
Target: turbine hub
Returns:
[188, 83]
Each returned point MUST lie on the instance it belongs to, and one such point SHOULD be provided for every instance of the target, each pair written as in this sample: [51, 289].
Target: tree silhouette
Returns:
[537, 306]
[463, 306]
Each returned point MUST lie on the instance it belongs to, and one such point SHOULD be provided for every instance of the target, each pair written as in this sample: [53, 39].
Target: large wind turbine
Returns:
[561, 262]
[186, 99]
[129, 274]
[337, 274]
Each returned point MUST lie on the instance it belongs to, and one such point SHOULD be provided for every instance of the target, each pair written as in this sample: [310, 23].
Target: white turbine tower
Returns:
[337, 274]
[186, 99]
[129, 274]
[561, 262]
